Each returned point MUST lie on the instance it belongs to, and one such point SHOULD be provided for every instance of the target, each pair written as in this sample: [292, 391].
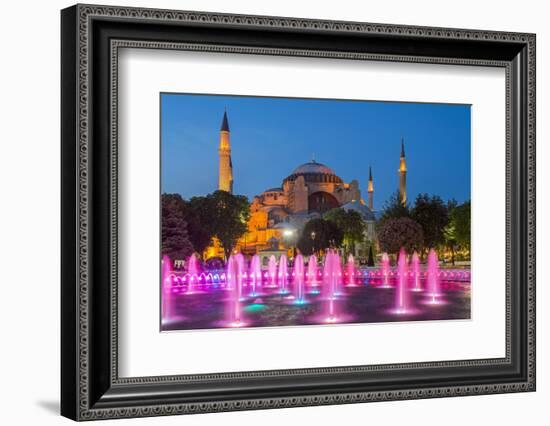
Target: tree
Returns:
[432, 214]
[175, 240]
[319, 234]
[450, 239]
[351, 224]
[226, 215]
[393, 209]
[198, 229]
[399, 233]
[461, 218]
[457, 232]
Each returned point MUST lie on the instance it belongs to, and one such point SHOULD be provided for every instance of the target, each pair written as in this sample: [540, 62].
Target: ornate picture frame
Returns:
[90, 40]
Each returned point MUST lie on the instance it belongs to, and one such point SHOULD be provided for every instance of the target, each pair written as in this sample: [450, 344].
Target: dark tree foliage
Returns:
[327, 235]
[457, 231]
[432, 214]
[399, 233]
[393, 209]
[461, 217]
[351, 224]
[197, 228]
[224, 216]
[175, 240]
[451, 204]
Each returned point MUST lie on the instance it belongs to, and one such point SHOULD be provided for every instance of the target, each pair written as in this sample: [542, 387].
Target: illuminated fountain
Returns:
[415, 263]
[350, 271]
[283, 274]
[401, 299]
[331, 278]
[385, 266]
[193, 272]
[272, 271]
[243, 292]
[167, 296]
[235, 273]
[433, 277]
[339, 274]
[255, 274]
[312, 273]
[298, 279]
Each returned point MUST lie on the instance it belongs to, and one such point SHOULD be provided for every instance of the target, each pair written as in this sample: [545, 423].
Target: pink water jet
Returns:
[255, 274]
[331, 278]
[299, 278]
[167, 296]
[193, 271]
[401, 299]
[193, 265]
[385, 265]
[272, 271]
[235, 272]
[283, 271]
[350, 271]
[312, 271]
[433, 277]
[339, 275]
[415, 263]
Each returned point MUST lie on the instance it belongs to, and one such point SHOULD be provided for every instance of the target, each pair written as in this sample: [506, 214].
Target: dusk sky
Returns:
[270, 137]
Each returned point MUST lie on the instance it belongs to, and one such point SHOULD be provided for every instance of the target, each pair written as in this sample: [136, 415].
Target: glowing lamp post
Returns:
[313, 241]
[288, 235]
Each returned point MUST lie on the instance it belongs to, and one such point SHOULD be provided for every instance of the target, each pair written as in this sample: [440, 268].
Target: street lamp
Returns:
[289, 236]
[288, 233]
[313, 241]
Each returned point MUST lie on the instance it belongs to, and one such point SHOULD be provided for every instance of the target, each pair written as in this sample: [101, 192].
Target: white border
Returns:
[143, 351]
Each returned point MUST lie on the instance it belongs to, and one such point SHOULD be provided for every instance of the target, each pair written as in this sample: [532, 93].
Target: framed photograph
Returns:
[263, 212]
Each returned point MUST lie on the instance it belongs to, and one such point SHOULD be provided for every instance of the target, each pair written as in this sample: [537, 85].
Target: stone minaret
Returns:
[402, 175]
[370, 190]
[225, 182]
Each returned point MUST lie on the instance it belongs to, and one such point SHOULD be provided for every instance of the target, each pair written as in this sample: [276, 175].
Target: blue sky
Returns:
[270, 137]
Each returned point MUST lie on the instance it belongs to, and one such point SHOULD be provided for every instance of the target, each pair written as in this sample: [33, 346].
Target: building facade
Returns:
[278, 214]
[308, 192]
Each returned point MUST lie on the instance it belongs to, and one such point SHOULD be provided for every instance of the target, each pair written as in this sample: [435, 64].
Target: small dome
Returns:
[363, 210]
[313, 167]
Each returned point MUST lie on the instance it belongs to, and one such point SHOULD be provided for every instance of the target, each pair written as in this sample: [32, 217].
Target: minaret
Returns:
[370, 190]
[225, 182]
[402, 175]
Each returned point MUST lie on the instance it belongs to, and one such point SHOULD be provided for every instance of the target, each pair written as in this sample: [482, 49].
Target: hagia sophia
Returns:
[278, 214]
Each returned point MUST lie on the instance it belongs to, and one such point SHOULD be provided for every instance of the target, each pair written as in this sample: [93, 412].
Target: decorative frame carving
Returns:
[86, 397]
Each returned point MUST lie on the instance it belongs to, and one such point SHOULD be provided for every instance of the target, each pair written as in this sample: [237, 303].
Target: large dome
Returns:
[312, 167]
[314, 172]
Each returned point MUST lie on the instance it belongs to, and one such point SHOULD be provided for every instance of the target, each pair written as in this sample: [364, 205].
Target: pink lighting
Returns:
[350, 271]
[272, 269]
[415, 263]
[331, 281]
[299, 279]
[167, 298]
[283, 274]
[433, 277]
[385, 265]
[255, 274]
[401, 296]
[312, 271]
[235, 271]
[193, 271]
[245, 291]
